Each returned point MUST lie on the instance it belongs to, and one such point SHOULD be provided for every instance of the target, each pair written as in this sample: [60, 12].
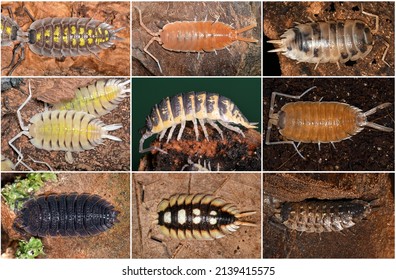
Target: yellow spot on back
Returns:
[82, 31]
[73, 30]
[8, 29]
[38, 36]
[74, 42]
[47, 33]
[82, 42]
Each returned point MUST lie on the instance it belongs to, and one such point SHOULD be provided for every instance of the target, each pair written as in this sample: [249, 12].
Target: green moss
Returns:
[22, 189]
[30, 250]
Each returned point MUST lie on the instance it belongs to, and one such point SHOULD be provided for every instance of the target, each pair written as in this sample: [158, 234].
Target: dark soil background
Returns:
[370, 149]
[243, 190]
[372, 237]
[114, 243]
[111, 155]
[111, 62]
[279, 16]
[243, 59]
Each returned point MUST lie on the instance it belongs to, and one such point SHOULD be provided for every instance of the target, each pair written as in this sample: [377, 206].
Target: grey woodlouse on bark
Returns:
[199, 216]
[330, 41]
[62, 130]
[192, 106]
[65, 215]
[194, 36]
[99, 98]
[62, 37]
[319, 216]
[318, 122]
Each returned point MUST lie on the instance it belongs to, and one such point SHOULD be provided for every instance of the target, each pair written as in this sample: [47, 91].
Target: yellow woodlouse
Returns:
[194, 36]
[199, 216]
[330, 41]
[318, 122]
[99, 98]
[192, 106]
[62, 130]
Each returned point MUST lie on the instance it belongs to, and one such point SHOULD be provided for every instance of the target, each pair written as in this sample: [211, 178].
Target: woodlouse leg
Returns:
[152, 56]
[170, 133]
[385, 53]
[20, 155]
[182, 126]
[213, 124]
[69, 157]
[41, 162]
[163, 132]
[196, 129]
[372, 15]
[230, 127]
[21, 58]
[202, 123]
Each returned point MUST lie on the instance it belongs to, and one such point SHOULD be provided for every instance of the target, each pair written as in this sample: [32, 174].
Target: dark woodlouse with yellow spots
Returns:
[199, 216]
[9, 31]
[65, 215]
[192, 106]
[319, 216]
[60, 37]
[330, 41]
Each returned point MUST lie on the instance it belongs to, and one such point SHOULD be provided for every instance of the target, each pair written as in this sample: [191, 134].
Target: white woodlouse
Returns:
[318, 122]
[192, 106]
[322, 215]
[63, 130]
[199, 216]
[62, 37]
[99, 98]
[330, 41]
[194, 36]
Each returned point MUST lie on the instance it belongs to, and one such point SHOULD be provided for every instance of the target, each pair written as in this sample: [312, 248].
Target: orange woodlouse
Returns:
[318, 122]
[195, 36]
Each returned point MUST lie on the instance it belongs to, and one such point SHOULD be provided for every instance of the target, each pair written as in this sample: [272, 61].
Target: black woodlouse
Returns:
[65, 215]
[319, 216]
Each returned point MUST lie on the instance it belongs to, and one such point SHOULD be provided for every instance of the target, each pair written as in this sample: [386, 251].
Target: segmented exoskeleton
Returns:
[62, 37]
[63, 130]
[10, 31]
[192, 106]
[65, 215]
[318, 122]
[322, 215]
[99, 98]
[199, 216]
[194, 36]
[330, 41]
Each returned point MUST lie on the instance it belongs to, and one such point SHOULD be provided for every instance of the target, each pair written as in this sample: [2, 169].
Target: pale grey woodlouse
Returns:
[330, 41]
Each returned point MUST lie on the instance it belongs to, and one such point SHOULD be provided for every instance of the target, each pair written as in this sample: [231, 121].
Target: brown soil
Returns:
[368, 150]
[279, 16]
[243, 59]
[110, 62]
[110, 156]
[372, 237]
[114, 243]
[241, 189]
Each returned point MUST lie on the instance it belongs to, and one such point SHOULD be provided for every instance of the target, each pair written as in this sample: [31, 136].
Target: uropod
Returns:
[194, 36]
[62, 130]
[202, 107]
[329, 41]
[318, 122]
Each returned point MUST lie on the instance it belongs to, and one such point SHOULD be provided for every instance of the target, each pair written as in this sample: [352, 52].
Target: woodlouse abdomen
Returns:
[322, 215]
[193, 106]
[99, 98]
[66, 215]
[199, 216]
[322, 42]
[63, 37]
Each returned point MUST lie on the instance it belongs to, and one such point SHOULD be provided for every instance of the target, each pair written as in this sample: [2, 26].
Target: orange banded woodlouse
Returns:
[195, 36]
[62, 130]
[199, 216]
[318, 122]
[317, 216]
[61, 37]
[330, 41]
[98, 98]
[192, 106]
[65, 215]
